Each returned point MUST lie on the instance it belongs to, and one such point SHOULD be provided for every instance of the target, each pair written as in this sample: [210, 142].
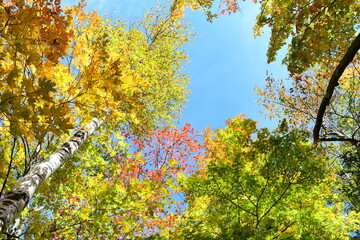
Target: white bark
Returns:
[17, 199]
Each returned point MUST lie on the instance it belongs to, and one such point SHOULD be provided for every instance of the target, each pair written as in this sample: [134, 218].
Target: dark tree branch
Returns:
[333, 83]
[335, 139]
[9, 168]
[276, 202]
[232, 202]
[283, 230]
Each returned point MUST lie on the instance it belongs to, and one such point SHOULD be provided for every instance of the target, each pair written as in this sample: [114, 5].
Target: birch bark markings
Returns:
[135, 74]
[18, 198]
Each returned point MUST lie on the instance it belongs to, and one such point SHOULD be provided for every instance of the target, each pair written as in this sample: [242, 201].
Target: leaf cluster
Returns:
[257, 184]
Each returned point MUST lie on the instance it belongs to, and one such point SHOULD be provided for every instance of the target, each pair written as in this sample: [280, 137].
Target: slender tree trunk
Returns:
[17, 199]
[333, 83]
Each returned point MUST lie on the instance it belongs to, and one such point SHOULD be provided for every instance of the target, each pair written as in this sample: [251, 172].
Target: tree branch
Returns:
[335, 139]
[9, 168]
[273, 205]
[333, 83]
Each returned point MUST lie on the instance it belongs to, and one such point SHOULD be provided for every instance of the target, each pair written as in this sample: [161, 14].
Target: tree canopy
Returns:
[140, 177]
[257, 184]
[63, 66]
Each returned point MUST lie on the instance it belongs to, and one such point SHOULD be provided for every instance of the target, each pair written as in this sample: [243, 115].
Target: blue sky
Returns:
[226, 62]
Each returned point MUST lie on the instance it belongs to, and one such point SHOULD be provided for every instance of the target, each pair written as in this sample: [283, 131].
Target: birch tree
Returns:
[61, 67]
[18, 198]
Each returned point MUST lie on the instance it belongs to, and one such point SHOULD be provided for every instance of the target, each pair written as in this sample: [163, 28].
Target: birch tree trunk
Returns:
[17, 199]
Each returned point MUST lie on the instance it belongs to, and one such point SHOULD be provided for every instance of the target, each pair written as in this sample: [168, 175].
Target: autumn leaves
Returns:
[140, 178]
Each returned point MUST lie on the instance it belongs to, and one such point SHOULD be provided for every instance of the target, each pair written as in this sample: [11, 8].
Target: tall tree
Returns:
[63, 66]
[256, 184]
[323, 94]
[298, 102]
[132, 193]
